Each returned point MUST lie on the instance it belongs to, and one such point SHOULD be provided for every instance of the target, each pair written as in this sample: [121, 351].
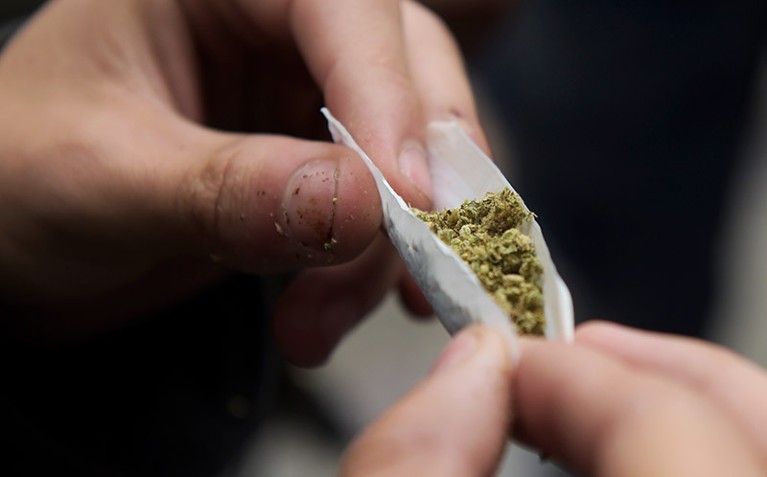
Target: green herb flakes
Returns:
[486, 234]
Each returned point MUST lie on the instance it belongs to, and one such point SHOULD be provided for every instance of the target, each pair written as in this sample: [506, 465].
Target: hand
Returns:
[629, 403]
[618, 403]
[121, 192]
[454, 423]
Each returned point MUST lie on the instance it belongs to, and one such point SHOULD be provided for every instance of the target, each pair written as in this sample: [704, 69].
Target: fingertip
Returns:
[453, 423]
[492, 354]
[331, 205]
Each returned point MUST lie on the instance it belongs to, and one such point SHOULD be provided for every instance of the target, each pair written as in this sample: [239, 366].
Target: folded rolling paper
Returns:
[459, 171]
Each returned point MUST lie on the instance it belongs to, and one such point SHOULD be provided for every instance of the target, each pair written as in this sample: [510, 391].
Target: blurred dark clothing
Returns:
[178, 394]
[627, 118]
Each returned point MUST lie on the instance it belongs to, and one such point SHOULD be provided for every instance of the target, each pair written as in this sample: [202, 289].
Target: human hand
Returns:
[618, 403]
[622, 402]
[118, 195]
[454, 423]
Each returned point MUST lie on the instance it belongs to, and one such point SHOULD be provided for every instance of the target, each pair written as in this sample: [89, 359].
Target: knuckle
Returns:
[203, 195]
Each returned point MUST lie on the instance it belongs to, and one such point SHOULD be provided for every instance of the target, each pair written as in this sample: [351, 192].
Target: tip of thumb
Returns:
[464, 404]
[481, 343]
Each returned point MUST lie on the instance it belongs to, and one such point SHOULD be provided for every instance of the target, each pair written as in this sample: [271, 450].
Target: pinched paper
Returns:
[459, 171]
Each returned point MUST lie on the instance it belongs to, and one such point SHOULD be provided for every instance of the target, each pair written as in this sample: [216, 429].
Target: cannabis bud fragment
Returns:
[486, 233]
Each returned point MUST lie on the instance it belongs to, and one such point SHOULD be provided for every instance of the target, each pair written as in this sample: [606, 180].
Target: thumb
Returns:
[453, 424]
[261, 203]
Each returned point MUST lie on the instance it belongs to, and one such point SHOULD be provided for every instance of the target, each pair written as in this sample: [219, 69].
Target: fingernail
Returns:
[414, 164]
[309, 203]
[460, 348]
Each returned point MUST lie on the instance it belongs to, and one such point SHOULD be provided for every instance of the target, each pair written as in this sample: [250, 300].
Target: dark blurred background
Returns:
[12, 8]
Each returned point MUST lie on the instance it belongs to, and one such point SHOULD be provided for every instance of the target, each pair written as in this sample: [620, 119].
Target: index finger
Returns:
[356, 52]
[604, 418]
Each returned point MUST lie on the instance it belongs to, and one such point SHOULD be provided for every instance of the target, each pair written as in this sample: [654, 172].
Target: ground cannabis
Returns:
[485, 233]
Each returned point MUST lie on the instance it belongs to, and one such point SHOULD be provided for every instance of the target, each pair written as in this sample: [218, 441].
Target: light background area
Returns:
[741, 315]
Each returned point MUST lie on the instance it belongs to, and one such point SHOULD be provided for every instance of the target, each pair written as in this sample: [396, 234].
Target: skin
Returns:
[158, 145]
[618, 403]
